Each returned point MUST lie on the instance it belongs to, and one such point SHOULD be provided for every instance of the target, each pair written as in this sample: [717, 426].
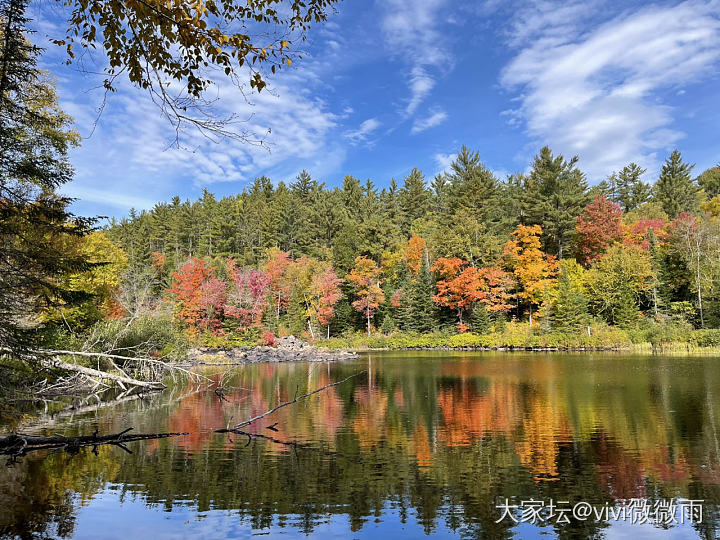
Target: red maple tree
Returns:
[598, 227]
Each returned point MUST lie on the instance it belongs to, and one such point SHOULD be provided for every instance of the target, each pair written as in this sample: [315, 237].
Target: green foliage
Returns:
[570, 308]
[620, 283]
[151, 334]
[675, 190]
[479, 320]
[36, 228]
[709, 180]
[555, 194]
[627, 189]
[465, 213]
[514, 335]
[247, 338]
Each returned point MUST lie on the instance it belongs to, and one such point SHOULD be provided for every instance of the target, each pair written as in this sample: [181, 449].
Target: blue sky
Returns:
[389, 85]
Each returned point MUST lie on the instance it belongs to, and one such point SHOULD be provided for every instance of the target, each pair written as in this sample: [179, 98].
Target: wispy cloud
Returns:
[443, 161]
[132, 156]
[597, 93]
[411, 31]
[363, 131]
[436, 118]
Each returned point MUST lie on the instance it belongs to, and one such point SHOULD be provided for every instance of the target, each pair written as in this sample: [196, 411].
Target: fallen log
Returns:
[103, 375]
[20, 444]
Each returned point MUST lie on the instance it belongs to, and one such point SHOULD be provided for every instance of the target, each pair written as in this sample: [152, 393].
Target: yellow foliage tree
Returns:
[534, 270]
[100, 283]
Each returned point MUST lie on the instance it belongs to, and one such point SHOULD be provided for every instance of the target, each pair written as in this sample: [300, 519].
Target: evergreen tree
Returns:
[675, 190]
[473, 186]
[626, 312]
[570, 309]
[630, 192]
[709, 180]
[414, 199]
[35, 137]
[479, 320]
[555, 194]
[208, 231]
[421, 302]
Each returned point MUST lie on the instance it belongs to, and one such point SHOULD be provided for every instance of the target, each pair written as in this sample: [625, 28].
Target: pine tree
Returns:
[35, 137]
[675, 190]
[555, 193]
[422, 289]
[479, 320]
[570, 309]
[631, 191]
[473, 186]
[414, 199]
[208, 234]
[626, 312]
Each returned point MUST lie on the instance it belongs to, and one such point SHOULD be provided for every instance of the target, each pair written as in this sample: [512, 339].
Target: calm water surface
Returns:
[420, 444]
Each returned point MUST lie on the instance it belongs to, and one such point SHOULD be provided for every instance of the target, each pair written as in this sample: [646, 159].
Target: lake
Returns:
[452, 444]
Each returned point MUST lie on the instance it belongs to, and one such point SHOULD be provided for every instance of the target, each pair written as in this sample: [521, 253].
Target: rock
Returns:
[289, 349]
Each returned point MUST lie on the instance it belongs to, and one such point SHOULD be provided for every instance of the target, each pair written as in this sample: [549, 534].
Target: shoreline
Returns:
[238, 356]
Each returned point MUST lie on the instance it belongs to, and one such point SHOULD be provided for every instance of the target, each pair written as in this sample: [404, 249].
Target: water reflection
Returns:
[421, 443]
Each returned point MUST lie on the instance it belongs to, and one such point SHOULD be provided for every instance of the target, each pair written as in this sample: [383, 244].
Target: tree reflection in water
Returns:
[432, 441]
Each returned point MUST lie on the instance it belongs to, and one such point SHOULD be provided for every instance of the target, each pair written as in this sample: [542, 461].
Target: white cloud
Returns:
[364, 131]
[436, 118]
[130, 160]
[595, 93]
[443, 161]
[411, 32]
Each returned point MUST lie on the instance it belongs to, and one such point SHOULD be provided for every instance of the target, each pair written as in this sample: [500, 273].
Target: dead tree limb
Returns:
[20, 444]
[285, 404]
[97, 374]
[165, 365]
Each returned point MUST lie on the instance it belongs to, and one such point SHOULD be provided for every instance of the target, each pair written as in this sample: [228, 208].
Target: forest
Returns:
[537, 254]
[540, 258]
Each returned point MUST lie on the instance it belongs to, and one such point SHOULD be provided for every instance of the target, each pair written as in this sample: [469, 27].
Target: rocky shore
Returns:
[288, 349]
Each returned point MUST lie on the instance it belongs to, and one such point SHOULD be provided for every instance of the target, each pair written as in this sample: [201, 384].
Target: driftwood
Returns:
[97, 374]
[237, 427]
[19, 444]
[164, 365]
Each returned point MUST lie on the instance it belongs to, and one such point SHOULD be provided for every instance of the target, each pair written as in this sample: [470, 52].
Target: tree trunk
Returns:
[530, 314]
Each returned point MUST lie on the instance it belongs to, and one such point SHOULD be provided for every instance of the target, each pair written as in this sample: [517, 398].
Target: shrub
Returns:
[268, 339]
[148, 335]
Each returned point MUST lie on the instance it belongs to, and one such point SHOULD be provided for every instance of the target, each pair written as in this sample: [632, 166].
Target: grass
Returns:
[672, 339]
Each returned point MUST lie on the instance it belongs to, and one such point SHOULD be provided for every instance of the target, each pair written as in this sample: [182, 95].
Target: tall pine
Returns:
[35, 137]
[675, 190]
[555, 194]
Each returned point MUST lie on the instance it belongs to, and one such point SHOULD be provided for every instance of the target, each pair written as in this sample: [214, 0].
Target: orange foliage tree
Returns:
[497, 285]
[638, 232]
[365, 277]
[414, 252]
[199, 295]
[325, 294]
[533, 269]
[276, 268]
[459, 286]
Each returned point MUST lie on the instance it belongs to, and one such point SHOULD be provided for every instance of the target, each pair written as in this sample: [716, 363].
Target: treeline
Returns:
[467, 251]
